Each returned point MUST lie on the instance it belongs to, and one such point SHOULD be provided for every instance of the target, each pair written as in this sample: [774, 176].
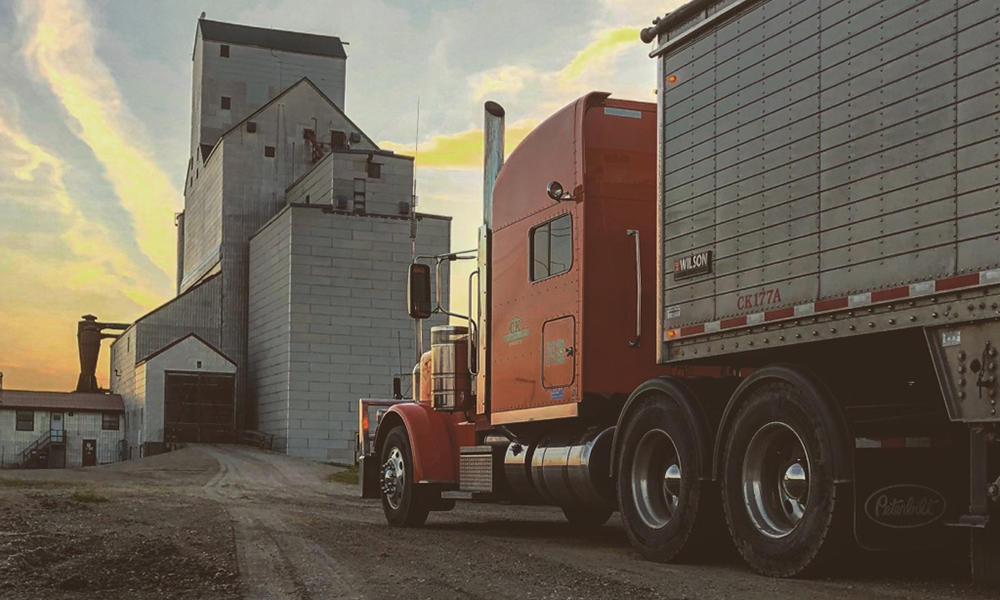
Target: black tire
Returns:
[587, 516]
[666, 524]
[404, 504]
[796, 519]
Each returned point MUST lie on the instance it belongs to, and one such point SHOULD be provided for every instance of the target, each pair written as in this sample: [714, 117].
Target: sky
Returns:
[95, 114]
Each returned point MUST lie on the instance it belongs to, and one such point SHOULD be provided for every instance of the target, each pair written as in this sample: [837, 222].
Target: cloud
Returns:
[598, 52]
[57, 264]
[509, 80]
[462, 150]
[60, 47]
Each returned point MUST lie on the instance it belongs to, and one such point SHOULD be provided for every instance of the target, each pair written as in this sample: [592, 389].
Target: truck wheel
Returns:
[587, 516]
[784, 512]
[659, 491]
[404, 504]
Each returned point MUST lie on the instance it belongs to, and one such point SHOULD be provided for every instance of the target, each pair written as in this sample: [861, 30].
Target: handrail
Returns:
[638, 290]
[473, 326]
[41, 442]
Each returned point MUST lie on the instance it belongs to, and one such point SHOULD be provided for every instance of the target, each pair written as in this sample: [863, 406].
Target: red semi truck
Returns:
[769, 303]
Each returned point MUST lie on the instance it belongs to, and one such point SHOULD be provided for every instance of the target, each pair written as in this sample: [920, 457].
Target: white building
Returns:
[292, 250]
[57, 429]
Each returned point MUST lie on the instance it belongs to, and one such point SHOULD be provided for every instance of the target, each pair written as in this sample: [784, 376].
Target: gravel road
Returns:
[231, 522]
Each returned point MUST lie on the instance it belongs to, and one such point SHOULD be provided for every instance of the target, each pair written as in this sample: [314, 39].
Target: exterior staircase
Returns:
[36, 456]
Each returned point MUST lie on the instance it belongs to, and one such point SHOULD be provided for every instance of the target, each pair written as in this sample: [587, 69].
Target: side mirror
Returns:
[418, 295]
[556, 192]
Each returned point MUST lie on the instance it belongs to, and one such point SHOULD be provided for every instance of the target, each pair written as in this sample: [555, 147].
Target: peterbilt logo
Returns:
[905, 506]
[698, 263]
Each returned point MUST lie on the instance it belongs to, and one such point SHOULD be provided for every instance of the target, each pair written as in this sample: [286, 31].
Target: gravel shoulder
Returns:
[233, 522]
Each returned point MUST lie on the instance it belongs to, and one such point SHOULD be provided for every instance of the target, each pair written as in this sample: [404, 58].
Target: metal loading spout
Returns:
[493, 153]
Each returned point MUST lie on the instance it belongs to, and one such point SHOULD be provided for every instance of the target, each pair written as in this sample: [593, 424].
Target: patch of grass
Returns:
[88, 497]
[349, 476]
[34, 484]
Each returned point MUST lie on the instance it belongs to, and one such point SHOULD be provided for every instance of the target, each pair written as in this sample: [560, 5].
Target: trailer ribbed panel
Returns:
[827, 149]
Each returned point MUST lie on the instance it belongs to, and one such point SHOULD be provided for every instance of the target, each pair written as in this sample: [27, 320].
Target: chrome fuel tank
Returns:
[573, 467]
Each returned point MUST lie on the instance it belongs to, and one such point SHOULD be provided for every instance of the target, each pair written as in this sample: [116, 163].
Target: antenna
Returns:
[418, 333]
[413, 197]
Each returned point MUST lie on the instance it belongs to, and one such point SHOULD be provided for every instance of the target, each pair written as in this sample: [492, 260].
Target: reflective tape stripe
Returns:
[922, 288]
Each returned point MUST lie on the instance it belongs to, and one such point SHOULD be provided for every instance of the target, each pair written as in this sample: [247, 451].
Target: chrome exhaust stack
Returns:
[493, 154]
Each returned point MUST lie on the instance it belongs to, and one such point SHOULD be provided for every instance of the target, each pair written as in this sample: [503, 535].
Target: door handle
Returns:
[638, 290]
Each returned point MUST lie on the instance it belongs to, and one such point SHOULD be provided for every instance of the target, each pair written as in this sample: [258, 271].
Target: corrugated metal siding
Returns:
[347, 332]
[382, 195]
[196, 311]
[124, 382]
[83, 425]
[203, 220]
[253, 192]
[252, 77]
[196, 93]
[269, 327]
[813, 147]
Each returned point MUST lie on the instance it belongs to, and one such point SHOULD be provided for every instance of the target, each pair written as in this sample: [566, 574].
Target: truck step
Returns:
[473, 496]
[480, 469]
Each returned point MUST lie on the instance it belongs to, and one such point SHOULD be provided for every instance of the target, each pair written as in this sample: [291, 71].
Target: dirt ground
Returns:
[233, 522]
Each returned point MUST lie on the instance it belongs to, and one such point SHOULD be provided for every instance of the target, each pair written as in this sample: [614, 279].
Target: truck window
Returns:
[551, 248]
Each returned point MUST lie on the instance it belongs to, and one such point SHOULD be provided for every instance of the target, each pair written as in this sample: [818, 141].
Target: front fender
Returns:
[432, 441]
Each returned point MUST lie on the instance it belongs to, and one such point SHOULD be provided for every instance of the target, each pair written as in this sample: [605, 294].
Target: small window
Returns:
[251, 126]
[25, 420]
[551, 248]
[374, 170]
[338, 139]
[224, 50]
[109, 421]
[269, 151]
[226, 102]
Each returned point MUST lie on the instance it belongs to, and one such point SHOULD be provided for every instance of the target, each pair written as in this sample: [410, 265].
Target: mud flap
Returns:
[983, 519]
[905, 494]
[368, 471]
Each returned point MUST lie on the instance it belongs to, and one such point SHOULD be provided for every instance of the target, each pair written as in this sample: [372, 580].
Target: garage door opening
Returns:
[199, 407]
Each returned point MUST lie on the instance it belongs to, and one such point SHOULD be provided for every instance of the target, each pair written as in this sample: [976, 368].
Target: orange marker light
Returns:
[671, 79]
[672, 333]
[364, 421]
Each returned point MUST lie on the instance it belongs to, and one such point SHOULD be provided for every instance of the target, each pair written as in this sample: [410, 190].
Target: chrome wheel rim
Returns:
[656, 479]
[776, 472]
[394, 478]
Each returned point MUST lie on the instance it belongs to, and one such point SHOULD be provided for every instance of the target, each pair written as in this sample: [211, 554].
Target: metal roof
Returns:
[275, 39]
[688, 17]
[61, 401]
[181, 339]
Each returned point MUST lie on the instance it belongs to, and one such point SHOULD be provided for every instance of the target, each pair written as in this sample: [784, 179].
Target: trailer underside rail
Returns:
[842, 320]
